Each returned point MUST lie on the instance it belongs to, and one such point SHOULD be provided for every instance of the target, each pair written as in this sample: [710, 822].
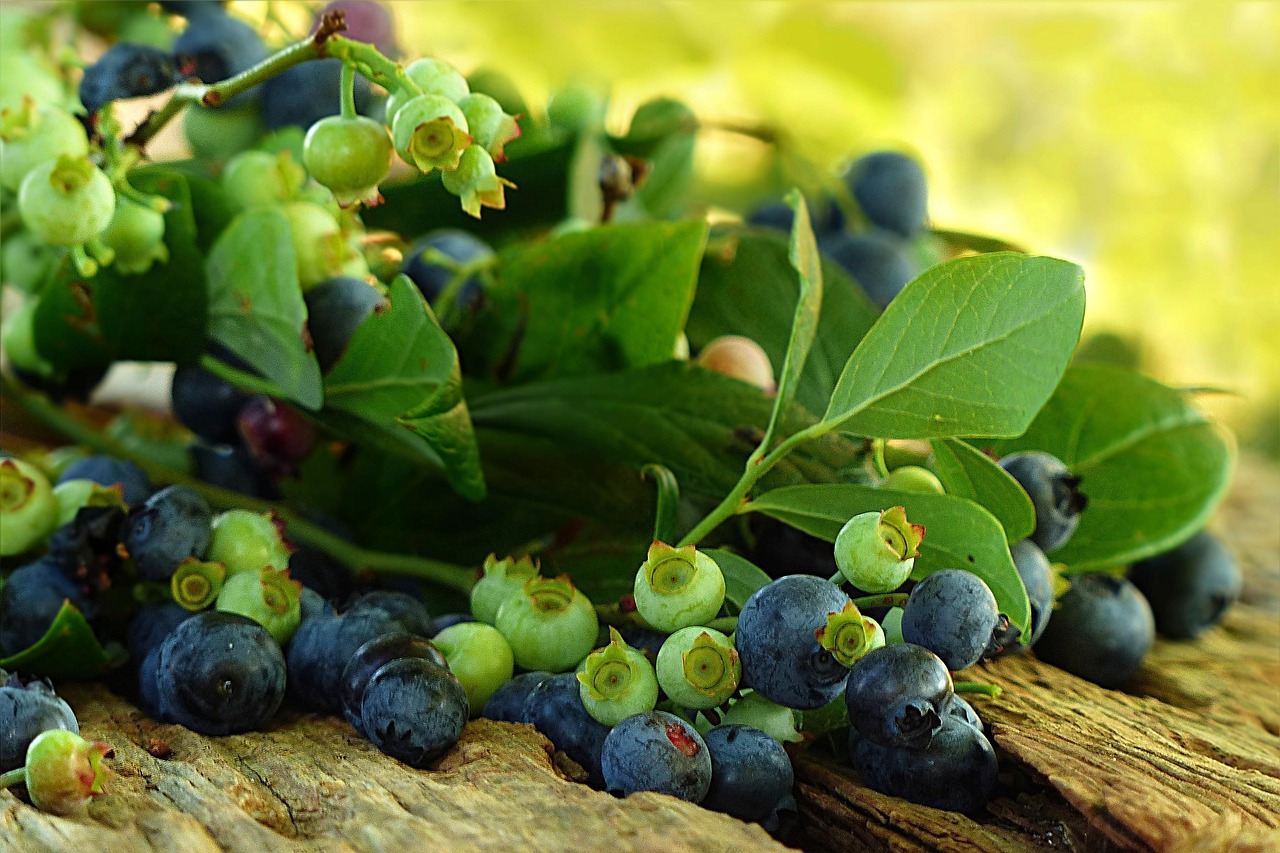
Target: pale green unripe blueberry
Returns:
[490, 127]
[549, 623]
[350, 156]
[698, 667]
[502, 579]
[74, 495]
[245, 541]
[876, 550]
[28, 509]
[753, 709]
[432, 77]
[479, 656]
[891, 626]
[64, 771]
[261, 179]
[617, 681]
[476, 182]
[678, 587]
[136, 235]
[33, 134]
[849, 635]
[196, 584]
[430, 132]
[67, 201]
[914, 478]
[319, 246]
[269, 597]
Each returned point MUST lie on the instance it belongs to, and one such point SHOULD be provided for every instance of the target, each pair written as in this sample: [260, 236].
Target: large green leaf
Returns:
[971, 347]
[399, 387]
[255, 303]
[748, 286]
[157, 315]
[579, 444]
[959, 534]
[606, 299]
[68, 649]
[1152, 467]
[967, 472]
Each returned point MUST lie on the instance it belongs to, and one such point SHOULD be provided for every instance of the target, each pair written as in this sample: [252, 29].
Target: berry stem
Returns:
[354, 556]
[991, 690]
[891, 599]
[13, 777]
[348, 91]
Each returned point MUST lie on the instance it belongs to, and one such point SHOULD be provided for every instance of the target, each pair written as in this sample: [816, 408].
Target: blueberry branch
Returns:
[354, 556]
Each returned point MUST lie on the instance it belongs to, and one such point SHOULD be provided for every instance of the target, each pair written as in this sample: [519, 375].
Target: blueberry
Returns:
[878, 261]
[26, 712]
[960, 708]
[335, 309]
[1101, 630]
[826, 217]
[955, 771]
[891, 190]
[555, 708]
[507, 702]
[277, 437]
[1190, 587]
[432, 274]
[321, 648]
[407, 609]
[366, 21]
[108, 471]
[659, 752]
[152, 624]
[220, 673]
[312, 603]
[207, 404]
[781, 658]
[413, 710]
[369, 658]
[1054, 492]
[217, 46]
[751, 775]
[31, 599]
[952, 613]
[126, 71]
[1037, 576]
[897, 695]
[87, 549]
[171, 526]
[302, 95]
[232, 468]
[193, 9]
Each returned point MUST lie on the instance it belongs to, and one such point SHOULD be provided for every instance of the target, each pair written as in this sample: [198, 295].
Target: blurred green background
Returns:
[1139, 139]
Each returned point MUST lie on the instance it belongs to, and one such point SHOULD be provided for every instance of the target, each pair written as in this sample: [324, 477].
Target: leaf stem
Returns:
[456, 577]
[13, 777]
[990, 690]
[892, 599]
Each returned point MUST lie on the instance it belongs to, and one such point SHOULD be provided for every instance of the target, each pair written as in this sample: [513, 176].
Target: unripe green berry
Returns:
[33, 134]
[479, 656]
[74, 495]
[914, 478]
[698, 667]
[430, 132]
[271, 598]
[28, 509]
[319, 246]
[18, 334]
[64, 771]
[67, 201]
[876, 550]
[476, 182]
[350, 156]
[196, 584]
[432, 77]
[490, 126]
[136, 235]
[502, 579]
[261, 179]
[549, 623]
[678, 587]
[617, 681]
[849, 635]
[245, 541]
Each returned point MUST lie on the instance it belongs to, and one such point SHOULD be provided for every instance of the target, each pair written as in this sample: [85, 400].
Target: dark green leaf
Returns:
[255, 303]
[747, 286]
[158, 315]
[1152, 467]
[741, 576]
[606, 299]
[959, 534]
[973, 346]
[211, 209]
[398, 386]
[803, 255]
[966, 241]
[967, 472]
[68, 649]
[668, 504]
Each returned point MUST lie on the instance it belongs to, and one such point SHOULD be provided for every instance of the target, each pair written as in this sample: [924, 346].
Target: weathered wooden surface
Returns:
[1188, 760]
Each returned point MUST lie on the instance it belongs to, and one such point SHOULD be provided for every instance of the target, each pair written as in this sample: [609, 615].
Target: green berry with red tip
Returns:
[430, 132]
[617, 681]
[350, 156]
[490, 126]
[698, 667]
[476, 182]
[67, 201]
[28, 508]
[876, 550]
[271, 598]
[246, 541]
[678, 587]
[479, 656]
[549, 623]
[64, 771]
[502, 579]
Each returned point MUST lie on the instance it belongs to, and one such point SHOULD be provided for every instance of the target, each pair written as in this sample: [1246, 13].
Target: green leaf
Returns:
[803, 256]
[668, 503]
[960, 241]
[255, 304]
[664, 133]
[741, 576]
[68, 649]
[399, 387]
[973, 346]
[747, 286]
[959, 534]
[1152, 467]
[967, 472]
[158, 315]
[601, 300]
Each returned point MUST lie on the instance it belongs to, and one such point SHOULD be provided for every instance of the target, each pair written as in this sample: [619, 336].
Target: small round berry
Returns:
[1101, 630]
[617, 681]
[741, 358]
[1054, 492]
[659, 752]
[67, 201]
[678, 587]
[549, 623]
[479, 656]
[350, 156]
[876, 550]
[698, 667]
[28, 509]
[1190, 587]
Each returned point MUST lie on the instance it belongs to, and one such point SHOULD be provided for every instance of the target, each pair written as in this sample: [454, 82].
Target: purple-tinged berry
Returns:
[64, 771]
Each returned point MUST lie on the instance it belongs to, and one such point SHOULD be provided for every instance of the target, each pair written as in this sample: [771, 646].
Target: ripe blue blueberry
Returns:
[952, 613]
[233, 468]
[955, 771]
[26, 711]
[1037, 576]
[32, 597]
[413, 710]
[780, 655]
[507, 702]
[879, 262]
[215, 47]
[897, 695]
[1190, 587]
[108, 471]
[372, 656]
[126, 71]
[751, 775]
[437, 260]
[321, 647]
[891, 190]
[555, 708]
[659, 752]
[1101, 630]
[335, 309]
[207, 404]
[1054, 492]
[408, 610]
[171, 526]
